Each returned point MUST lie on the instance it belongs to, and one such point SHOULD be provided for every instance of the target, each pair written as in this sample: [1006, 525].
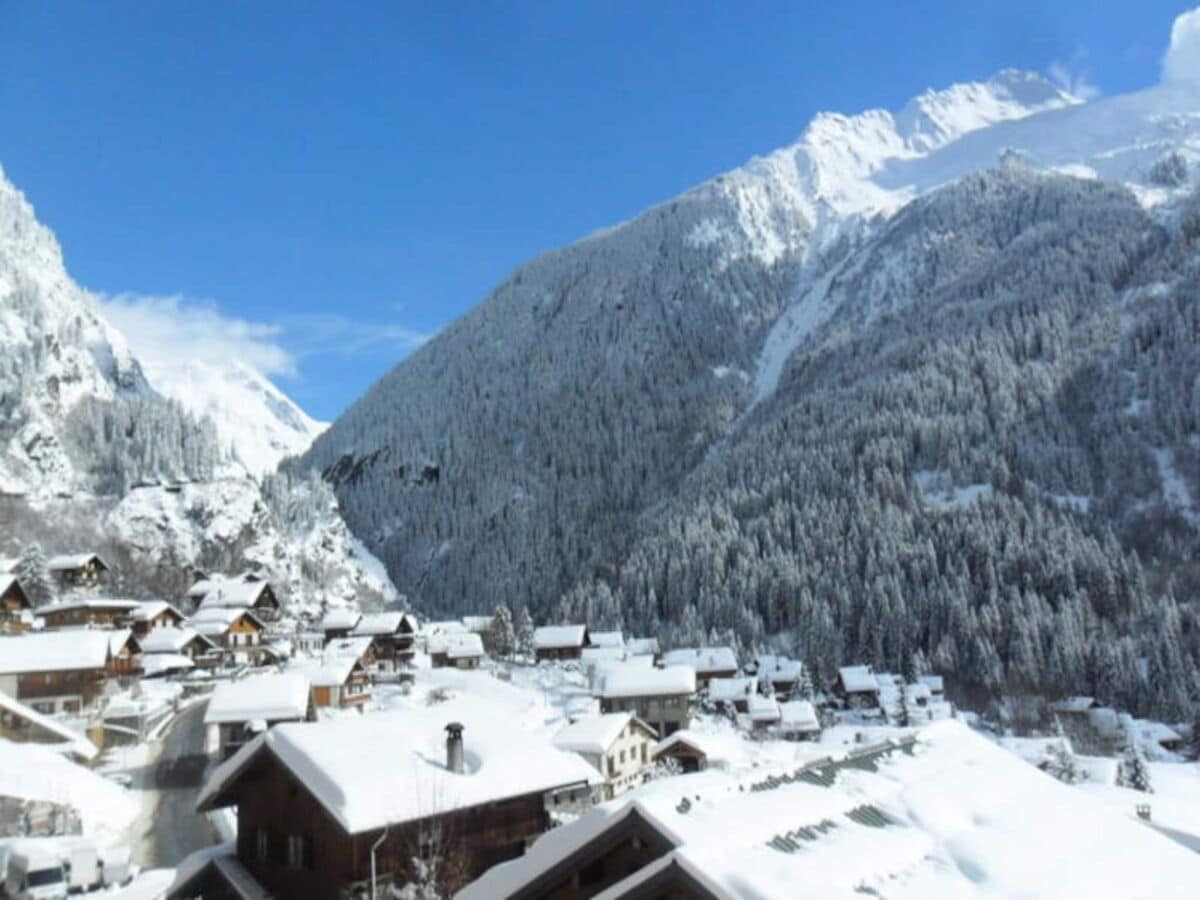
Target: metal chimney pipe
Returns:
[454, 747]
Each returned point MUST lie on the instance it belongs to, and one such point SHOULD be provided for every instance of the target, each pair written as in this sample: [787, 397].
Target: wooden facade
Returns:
[95, 614]
[14, 603]
[83, 572]
[65, 691]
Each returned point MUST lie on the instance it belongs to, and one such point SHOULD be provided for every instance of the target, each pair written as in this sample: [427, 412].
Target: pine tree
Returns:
[502, 639]
[802, 687]
[524, 634]
[905, 717]
[34, 575]
[1063, 765]
[1134, 772]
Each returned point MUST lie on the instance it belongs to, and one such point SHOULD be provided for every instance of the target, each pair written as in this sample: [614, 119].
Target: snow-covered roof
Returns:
[725, 690]
[66, 561]
[158, 663]
[798, 715]
[960, 817]
[9, 563]
[6, 583]
[273, 697]
[374, 624]
[602, 654]
[234, 594]
[149, 609]
[779, 668]
[72, 740]
[451, 626]
[477, 624]
[607, 639]
[593, 734]
[917, 692]
[556, 637]
[340, 618]
[213, 620]
[117, 639]
[456, 645]
[763, 709]
[1156, 732]
[935, 683]
[99, 604]
[1073, 704]
[54, 651]
[639, 681]
[693, 739]
[352, 647]
[642, 646]
[858, 679]
[702, 659]
[169, 640]
[408, 778]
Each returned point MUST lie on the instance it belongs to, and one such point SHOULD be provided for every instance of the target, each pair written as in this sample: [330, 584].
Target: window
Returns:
[262, 844]
[622, 757]
[644, 752]
[299, 851]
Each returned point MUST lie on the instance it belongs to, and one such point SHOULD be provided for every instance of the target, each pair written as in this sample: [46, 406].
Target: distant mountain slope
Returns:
[92, 454]
[765, 408]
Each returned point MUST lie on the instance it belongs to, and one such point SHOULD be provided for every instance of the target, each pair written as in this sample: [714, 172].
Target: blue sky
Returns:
[325, 184]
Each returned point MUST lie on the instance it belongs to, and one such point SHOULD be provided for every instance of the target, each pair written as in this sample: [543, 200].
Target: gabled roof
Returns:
[55, 651]
[456, 645]
[67, 561]
[164, 663]
[236, 594]
[375, 624]
[703, 659]
[642, 646]
[10, 582]
[559, 637]
[9, 564]
[97, 604]
[607, 639]
[626, 681]
[595, 734]
[75, 742]
[121, 638]
[683, 736]
[725, 690]
[271, 697]
[340, 618]
[763, 709]
[858, 680]
[150, 609]
[408, 778]
[170, 640]
[798, 715]
[213, 620]
[353, 647]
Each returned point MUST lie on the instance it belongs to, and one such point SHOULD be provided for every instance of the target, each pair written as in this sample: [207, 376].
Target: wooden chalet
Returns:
[248, 591]
[92, 612]
[617, 745]
[124, 653]
[78, 570]
[685, 748]
[201, 650]
[241, 710]
[707, 662]
[153, 614]
[552, 642]
[343, 676]
[858, 687]
[339, 621]
[661, 697]
[392, 635]
[16, 609]
[55, 671]
[314, 799]
[238, 632]
[459, 650]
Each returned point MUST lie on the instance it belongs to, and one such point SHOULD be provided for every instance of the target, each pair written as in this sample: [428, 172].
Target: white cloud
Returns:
[1071, 76]
[167, 331]
[318, 334]
[1181, 62]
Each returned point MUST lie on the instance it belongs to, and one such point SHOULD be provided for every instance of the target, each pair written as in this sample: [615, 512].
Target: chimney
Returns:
[454, 747]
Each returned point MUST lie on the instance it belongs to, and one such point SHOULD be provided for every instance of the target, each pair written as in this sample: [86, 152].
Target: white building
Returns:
[241, 710]
[618, 745]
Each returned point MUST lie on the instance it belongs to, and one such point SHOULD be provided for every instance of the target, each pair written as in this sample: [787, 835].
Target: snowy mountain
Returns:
[781, 406]
[92, 453]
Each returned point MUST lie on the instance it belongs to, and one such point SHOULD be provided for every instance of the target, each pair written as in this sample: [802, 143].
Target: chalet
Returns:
[731, 692]
[185, 642]
[21, 724]
[78, 570]
[315, 813]
[55, 671]
[91, 612]
[460, 650]
[660, 697]
[617, 745]
[152, 614]
[241, 710]
[594, 658]
[607, 639]
[686, 748]
[798, 721]
[245, 592]
[16, 609]
[391, 635]
[763, 712]
[858, 687]
[239, 632]
[781, 672]
[560, 641]
[124, 653]
[707, 662]
[339, 621]
[338, 679]
[479, 625]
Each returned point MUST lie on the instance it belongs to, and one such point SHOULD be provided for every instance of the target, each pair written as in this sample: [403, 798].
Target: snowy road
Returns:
[170, 829]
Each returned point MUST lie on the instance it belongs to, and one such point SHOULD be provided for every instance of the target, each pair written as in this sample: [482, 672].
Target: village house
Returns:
[22, 724]
[686, 748]
[617, 745]
[16, 609]
[607, 639]
[391, 635]
[339, 621]
[238, 632]
[858, 687]
[241, 710]
[660, 697]
[460, 650]
[124, 654]
[91, 612]
[762, 712]
[192, 645]
[551, 642]
[55, 671]
[643, 646]
[315, 813]
[246, 592]
[78, 570]
[731, 692]
[479, 625]
[798, 721]
[152, 614]
[341, 678]
[707, 662]
[781, 672]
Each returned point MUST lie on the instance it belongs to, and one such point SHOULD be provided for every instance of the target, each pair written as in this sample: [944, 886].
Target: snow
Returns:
[702, 659]
[460, 645]
[232, 593]
[607, 639]
[68, 561]
[960, 818]
[727, 690]
[54, 651]
[763, 709]
[166, 640]
[858, 679]
[592, 734]
[216, 620]
[165, 663]
[271, 697]
[553, 637]
[96, 603]
[149, 609]
[37, 772]
[642, 646]
[798, 715]
[622, 681]
[362, 791]
[340, 618]
[1175, 489]
[72, 741]
[379, 624]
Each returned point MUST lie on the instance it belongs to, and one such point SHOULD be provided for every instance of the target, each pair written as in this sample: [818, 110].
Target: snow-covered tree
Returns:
[524, 634]
[1062, 764]
[34, 575]
[1134, 772]
[501, 637]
